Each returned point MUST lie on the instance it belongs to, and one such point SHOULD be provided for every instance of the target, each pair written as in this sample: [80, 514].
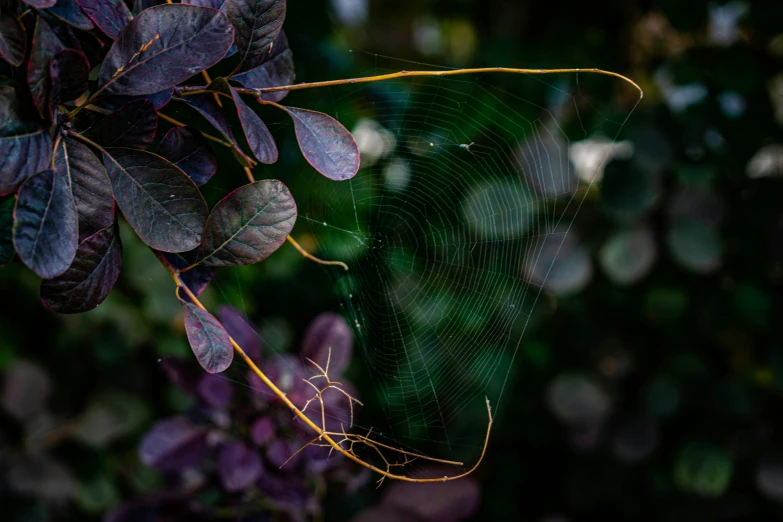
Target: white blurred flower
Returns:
[397, 175]
[427, 36]
[678, 97]
[351, 12]
[775, 87]
[767, 162]
[724, 22]
[590, 156]
[373, 140]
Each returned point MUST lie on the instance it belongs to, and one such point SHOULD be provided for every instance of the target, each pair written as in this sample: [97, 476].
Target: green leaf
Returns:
[248, 225]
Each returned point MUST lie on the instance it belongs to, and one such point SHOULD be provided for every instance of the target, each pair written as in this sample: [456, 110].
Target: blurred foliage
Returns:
[647, 391]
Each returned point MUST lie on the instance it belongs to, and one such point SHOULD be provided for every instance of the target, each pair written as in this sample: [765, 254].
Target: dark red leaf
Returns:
[46, 224]
[206, 105]
[70, 12]
[208, 339]
[189, 151]
[13, 42]
[172, 445]
[158, 200]
[257, 24]
[45, 45]
[40, 4]
[325, 144]
[237, 327]
[280, 450]
[68, 74]
[238, 466]
[248, 225]
[258, 137]
[110, 16]
[90, 277]
[164, 46]
[83, 41]
[215, 391]
[262, 431]
[90, 186]
[277, 70]
[159, 99]
[6, 230]
[21, 157]
[329, 331]
[132, 125]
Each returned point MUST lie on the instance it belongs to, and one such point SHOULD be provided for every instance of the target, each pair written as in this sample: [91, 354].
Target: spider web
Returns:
[451, 228]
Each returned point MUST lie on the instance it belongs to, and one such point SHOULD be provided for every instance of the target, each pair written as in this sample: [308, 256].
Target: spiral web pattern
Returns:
[450, 228]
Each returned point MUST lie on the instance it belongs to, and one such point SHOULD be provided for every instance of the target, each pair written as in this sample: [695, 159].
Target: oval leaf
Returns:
[13, 42]
[238, 466]
[16, 113]
[160, 202]
[68, 74]
[21, 157]
[132, 125]
[45, 224]
[90, 186]
[277, 70]
[208, 339]
[40, 4]
[257, 24]
[257, 134]
[111, 16]
[329, 339]
[70, 12]
[164, 46]
[90, 277]
[172, 445]
[45, 45]
[189, 151]
[248, 225]
[159, 99]
[325, 144]
[206, 105]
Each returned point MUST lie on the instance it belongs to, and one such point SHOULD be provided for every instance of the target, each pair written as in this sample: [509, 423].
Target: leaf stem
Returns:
[207, 136]
[311, 257]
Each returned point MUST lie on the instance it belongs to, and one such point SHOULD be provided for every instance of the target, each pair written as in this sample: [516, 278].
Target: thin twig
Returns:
[311, 257]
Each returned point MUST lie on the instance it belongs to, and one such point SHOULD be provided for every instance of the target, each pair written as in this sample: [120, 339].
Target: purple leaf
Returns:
[189, 151]
[110, 16]
[172, 445]
[164, 46]
[46, 224]
[262, 431]
[182, 373]
[256, 132]
[40, 4]
[384, 514]
[133, 125]
[197, 278]
[158, 200]
[6, 230]
[279, 451]
[257, 24]
[220, 5]
[45, 45]
[277, 70]
[436, 501]
[215, 391]
[90, 186]
[21, 157]
[159, 99]
[68, 74]
[329, 332]
[17, 115]
[248, 225]
[206, 105]
[325, 144]
[90, 277]
[13, 42]
[238, 466]
[237, 327]
[288, 491]
[208, 339]
[70, 12]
